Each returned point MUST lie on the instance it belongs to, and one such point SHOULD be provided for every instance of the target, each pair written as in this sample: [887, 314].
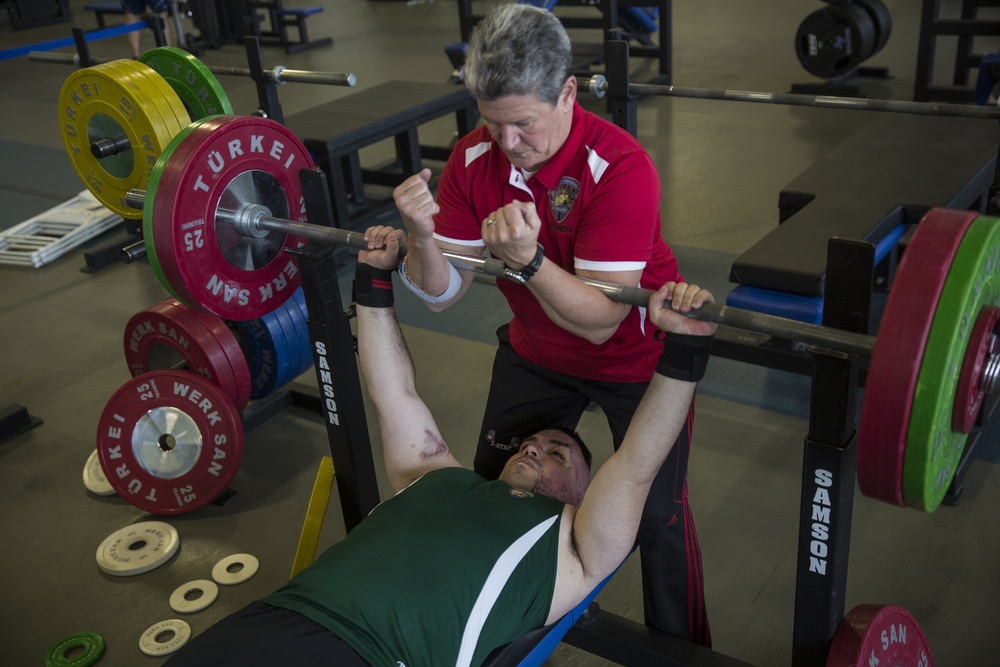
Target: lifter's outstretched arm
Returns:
[606, 524]
[411, 442]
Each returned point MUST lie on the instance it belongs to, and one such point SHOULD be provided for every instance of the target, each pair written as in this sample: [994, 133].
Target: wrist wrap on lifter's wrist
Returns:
[684, 357]
[372, 286]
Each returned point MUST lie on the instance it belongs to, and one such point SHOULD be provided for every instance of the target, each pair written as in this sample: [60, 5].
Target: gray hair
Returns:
[518, 50]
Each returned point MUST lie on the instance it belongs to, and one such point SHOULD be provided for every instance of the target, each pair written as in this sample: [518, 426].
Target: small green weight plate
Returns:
[79, 650]
[194, 83]
[933, 448]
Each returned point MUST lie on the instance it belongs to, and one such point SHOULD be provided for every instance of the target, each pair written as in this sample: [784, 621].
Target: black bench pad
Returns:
[862, 189]
[336, 131]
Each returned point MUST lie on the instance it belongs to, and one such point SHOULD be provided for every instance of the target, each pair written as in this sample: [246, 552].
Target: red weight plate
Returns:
[969, 393]
[162, 206]
[230, 347]
[246, 161]
[169, 441]
[872, 634]
[161, 337]
[899, 348]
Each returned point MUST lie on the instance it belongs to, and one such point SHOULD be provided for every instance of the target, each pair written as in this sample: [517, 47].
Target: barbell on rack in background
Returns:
[117, 116]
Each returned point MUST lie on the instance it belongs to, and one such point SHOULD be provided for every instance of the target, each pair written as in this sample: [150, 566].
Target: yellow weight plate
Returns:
[100, 102]
[158, 88]
[148, 86]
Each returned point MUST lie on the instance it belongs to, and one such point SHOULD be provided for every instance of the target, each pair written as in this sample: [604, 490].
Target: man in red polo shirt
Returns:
[557, 192]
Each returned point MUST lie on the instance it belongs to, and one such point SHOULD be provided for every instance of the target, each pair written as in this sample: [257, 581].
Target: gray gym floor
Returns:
[723, 166]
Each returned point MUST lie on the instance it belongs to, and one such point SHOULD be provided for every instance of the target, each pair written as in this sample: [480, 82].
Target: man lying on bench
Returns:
[454, 566]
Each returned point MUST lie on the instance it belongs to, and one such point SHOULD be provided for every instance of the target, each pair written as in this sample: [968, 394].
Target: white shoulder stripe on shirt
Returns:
[472, 152]
[597, 164]
[590, 265]
[494, 584]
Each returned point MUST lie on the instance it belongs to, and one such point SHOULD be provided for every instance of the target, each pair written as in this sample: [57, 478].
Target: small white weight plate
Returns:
[94, 479]
[138, 548]
[235, 569]
[165, 637]
[180, 603]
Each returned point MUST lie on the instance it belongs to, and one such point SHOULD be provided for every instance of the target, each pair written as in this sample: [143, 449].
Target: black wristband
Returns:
[372, 286]
[532, 267]
[684, 357]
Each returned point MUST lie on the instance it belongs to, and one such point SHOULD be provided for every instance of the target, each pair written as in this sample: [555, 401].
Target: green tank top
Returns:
[441, 574]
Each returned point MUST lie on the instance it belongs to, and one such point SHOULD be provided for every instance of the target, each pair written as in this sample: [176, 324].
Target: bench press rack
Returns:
[830, 458]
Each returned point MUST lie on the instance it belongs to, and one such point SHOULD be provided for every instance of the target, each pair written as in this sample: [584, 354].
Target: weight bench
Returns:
[336, 131]
[878, 181]
[280, 18]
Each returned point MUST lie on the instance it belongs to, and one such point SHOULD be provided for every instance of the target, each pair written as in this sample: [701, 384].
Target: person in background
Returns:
[134, 10]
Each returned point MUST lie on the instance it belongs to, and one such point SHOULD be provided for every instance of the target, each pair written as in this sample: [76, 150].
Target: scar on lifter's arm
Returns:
[433, 446]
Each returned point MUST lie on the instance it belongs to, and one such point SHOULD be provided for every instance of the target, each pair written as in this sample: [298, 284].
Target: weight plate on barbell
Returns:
[98, 103]
[165, 637]
[149, 214]
[970, 393]
[933, 449]
[161, 96]
[82, 649]
[899, 349]
[138, 548]
[170, 441]
[872, 634]
[194, 83]
[247, 161]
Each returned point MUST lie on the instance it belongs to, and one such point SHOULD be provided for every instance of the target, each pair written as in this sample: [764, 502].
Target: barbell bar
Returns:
[278, 74]
[255, 221]
[597, 85]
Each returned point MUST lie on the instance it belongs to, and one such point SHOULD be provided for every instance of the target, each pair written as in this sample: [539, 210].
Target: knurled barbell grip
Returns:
[835, 339]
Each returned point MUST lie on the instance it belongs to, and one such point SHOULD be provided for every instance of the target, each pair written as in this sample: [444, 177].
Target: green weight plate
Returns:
[79, 650]
[933, 448]
[149, 214]
[194, 83]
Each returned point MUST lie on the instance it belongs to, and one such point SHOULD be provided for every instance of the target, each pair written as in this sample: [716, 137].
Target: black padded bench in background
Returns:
[889, 172]
[336, 131]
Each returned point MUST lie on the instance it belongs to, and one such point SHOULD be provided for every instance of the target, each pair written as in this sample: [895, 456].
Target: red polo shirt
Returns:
[599, 202]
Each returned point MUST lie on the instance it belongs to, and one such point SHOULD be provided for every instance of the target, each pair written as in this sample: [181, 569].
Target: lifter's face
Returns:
[528, 130]
[550, 463]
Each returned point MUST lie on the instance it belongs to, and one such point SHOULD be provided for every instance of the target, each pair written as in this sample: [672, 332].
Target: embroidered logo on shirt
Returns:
[518, 493]
[561, 199]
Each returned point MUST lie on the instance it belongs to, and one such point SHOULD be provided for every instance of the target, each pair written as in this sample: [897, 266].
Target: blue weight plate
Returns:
[286, 314]
[268, 354]
[297, 309]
